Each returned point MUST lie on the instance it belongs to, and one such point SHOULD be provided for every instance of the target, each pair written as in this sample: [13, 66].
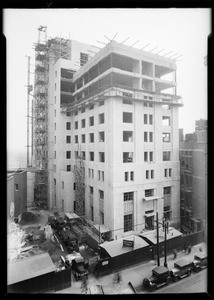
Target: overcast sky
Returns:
[182, 31]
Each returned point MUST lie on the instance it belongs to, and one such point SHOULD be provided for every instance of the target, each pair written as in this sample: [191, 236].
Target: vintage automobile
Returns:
[182, 268]
[77, 264]
[199, 262]
[160, 276]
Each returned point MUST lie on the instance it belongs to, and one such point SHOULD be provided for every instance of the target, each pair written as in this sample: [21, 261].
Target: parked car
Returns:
[77, 264]
[199, 262]
[182, 268]
[160, 276]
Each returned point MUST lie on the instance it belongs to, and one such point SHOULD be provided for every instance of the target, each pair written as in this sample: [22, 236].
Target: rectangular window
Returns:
[101, 156]
[54, 154]
[68, 113]
[150, 119]
[91, 137]
[91, 107]
[62, 184]
[92, 173]
[152, 174]
[166, 137]
[82, 110]
[128, 222]
[91, 190]
[102, 175]
[54, 168]
[55, 86]
[128, 196]
[16, 187]
[74, 186]
[151, 137]
[165, 121]
[166, 155]
[145, 136]
[68, 139]
[101, 118]
[68, 154]
[83, 58]
[55, 113]
[55, 140]
[92, 213]
[127, 157]
[149, 193]
[91, 121]
[83, 138]
[167, 190]
[151, 156]
[76, 154]
[76, 139]
[165, 172]
[128, 136]
[68, 168]
[150, 104]
[147, 174]
[132, 176]
[145, 103]
[89, 172]
[126, 176]
[145, 155]
[91, 156]
[68, 125]
[170, 172]
[76, 125]
[102, 136]
[101, 103]
[127, 117]
[129, 102]
[83, 155]
[145, 119]
[101, 194]
[76, 112]
[83, 123]
[54, 126]
[55, 100]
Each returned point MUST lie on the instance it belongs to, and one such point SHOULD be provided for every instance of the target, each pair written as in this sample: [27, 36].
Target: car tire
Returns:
[168, 281]
[189, 273]
[153, 288]
[176, 278]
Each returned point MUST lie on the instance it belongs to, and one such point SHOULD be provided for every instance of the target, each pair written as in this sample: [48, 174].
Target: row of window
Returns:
[99, 173]
[129, 196]
[101, 120]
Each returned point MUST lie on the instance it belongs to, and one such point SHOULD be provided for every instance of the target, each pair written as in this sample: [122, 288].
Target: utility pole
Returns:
[165, 227]
[158, 257]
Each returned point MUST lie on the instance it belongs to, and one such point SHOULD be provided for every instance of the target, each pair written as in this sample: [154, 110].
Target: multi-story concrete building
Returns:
[193, 159]
[113, 137]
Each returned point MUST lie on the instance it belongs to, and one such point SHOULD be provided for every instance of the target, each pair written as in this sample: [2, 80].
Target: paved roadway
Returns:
[195, 283]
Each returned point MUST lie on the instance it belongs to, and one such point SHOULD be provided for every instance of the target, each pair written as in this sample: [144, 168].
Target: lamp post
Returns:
[165, 227]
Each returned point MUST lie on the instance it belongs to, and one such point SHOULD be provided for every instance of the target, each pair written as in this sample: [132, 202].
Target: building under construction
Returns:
[106, 133]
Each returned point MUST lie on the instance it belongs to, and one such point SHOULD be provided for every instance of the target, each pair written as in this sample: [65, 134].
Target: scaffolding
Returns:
[40, 111]
[47, 51]
[79, 172]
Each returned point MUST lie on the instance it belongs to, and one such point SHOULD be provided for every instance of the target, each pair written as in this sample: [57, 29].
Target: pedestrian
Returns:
[189, 249]
[174, 253]
[84, 285]
[118, 277]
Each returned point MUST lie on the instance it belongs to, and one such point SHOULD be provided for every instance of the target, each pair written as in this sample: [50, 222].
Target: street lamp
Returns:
[166, 229]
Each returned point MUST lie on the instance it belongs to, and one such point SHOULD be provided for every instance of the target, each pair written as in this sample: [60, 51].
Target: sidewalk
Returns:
[134, 274]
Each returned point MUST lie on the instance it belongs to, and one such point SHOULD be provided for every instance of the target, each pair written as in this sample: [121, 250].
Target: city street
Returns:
[196, 283]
